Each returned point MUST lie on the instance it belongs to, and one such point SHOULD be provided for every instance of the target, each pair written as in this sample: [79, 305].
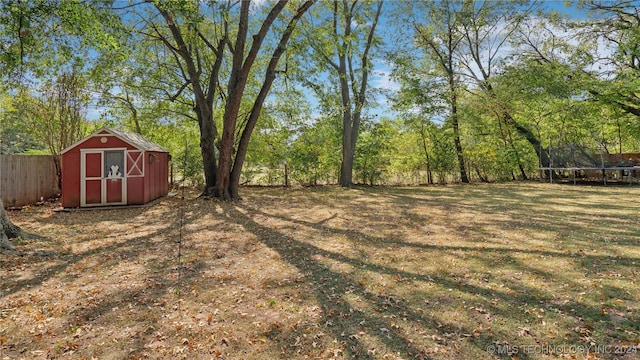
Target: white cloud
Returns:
[381, 78]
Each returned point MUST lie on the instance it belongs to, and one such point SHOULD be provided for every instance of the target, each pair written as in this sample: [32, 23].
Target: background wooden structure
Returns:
[113, 167]
[25, 179]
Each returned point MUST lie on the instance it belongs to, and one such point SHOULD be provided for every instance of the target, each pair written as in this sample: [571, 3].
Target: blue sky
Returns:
[563, 7]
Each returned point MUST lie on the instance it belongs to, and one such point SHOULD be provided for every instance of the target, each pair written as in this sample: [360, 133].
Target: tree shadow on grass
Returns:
[111, 252]
[365, 320]
[383, 242]
[345, 322]
[352, 325]
[47, 264]
[107, 309]
[537, 210]
[500, 301]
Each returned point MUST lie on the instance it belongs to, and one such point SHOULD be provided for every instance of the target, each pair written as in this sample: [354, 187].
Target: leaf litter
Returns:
[389, 273]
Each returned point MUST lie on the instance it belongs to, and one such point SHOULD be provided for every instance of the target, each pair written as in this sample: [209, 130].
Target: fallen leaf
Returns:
[523, 331]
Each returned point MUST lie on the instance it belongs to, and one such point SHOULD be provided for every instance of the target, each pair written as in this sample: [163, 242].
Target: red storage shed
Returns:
[113, 167]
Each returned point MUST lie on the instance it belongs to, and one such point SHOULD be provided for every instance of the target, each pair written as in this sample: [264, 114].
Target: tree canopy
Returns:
[344, 91]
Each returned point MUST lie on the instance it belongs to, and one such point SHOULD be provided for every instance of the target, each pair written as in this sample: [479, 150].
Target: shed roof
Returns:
[132, 138]
[136, 140]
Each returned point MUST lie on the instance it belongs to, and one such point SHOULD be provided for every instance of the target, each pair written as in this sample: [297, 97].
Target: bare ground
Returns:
[453, 272]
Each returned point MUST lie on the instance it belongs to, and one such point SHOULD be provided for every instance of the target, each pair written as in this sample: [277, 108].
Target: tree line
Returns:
[279, 92]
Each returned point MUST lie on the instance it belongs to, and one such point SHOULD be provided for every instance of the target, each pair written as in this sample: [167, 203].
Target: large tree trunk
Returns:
[456, 126]
[7, 230]
[203, 96]
[223, 167]
[346, 166]
[449, 67]
[456, 139]
[270, 76]
[352, 108]
[241, 66]
[207, 148]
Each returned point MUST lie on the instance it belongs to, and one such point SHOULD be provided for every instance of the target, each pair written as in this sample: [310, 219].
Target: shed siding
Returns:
[95, 143]
[71, 179]
[135, 191]
[156, 177]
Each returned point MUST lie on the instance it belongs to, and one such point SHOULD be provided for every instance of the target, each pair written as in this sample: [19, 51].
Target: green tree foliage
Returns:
[438, 34]
[552, 85]
[615, 24]
[14, 139]
[495, 151]
[41, 38]
[486, 88]
[56, 116]
[47, 49]
[374, 151]
[422, 102]
[343, 40]
[315, 151]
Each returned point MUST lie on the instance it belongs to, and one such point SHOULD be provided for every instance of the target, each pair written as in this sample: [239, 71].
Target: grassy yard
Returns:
[527, 271]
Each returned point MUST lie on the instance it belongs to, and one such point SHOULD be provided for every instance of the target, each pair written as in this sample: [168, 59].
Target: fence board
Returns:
[24, 179]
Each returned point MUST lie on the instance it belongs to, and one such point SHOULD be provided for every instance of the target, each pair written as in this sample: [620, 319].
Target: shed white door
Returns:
[103, 180]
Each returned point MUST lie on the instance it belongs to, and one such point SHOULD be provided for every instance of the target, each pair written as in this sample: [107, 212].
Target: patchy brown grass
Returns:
[452, 272]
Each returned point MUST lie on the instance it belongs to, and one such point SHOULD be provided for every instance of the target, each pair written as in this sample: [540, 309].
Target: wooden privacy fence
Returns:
[25, 179]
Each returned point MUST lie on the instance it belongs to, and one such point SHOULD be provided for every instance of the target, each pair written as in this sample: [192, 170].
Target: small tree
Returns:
[440, 38]
[342, 45]
[55, 118]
